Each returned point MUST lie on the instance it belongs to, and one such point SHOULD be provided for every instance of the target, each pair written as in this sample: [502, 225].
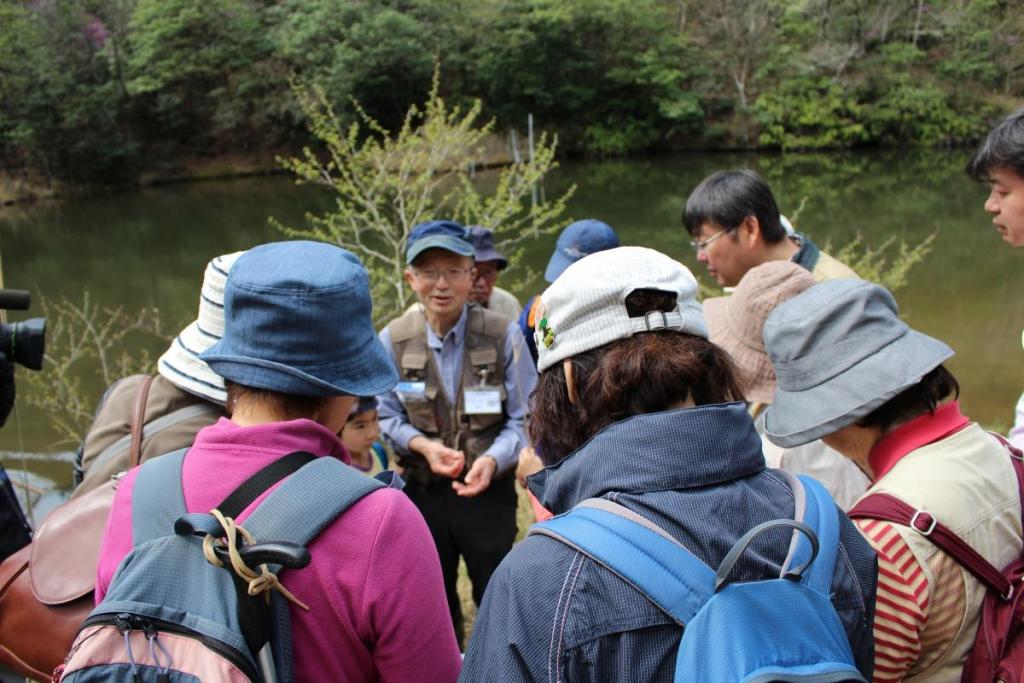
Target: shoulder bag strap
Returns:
[891, 509]
[637, 551]
[138, 420]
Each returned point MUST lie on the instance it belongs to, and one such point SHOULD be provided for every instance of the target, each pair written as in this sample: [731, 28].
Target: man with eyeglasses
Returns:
[455, 420]
[739, 203]
[489, 263]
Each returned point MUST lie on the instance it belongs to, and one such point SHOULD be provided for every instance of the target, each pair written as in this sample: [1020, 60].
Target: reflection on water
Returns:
[149, 247]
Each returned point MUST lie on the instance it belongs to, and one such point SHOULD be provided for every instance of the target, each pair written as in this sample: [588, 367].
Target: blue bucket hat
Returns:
[298, 320]
[579, 239]
[363, 405]
[482, 240]
[840, 351]
[447, 235]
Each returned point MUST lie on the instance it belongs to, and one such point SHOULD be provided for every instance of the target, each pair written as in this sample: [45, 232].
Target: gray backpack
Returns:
[170, 615]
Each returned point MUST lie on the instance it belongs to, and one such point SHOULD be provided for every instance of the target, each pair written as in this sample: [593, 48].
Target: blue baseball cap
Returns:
[482, 240]
[580, 239]
[447, 235]
[298, 320]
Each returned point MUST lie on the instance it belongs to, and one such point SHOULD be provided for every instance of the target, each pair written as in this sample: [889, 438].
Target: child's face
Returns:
[360, 432]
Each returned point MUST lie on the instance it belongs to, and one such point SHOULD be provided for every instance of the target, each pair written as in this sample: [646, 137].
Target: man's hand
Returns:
[529, 464]
[444, 461]
[478, 478]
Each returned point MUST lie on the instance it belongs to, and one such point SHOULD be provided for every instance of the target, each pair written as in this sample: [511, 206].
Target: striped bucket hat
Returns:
[180, 364]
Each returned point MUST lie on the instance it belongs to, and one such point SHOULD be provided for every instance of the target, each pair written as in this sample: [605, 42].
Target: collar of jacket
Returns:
[671, 450]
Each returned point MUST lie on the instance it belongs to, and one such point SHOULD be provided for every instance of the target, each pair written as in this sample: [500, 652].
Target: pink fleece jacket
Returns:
[377, 603]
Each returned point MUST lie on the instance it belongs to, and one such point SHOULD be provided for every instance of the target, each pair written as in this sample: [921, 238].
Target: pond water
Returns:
[148, 248]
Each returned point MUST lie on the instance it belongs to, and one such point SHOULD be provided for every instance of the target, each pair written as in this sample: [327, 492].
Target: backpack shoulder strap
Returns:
[306, 502]
[638, 551]
[820, 514]
[158, 498]
[297, 510]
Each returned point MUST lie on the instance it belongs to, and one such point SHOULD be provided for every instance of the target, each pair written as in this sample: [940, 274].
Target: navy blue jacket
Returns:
[551, 613]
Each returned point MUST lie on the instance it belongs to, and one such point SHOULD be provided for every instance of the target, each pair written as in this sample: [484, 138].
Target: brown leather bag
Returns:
[46, 588]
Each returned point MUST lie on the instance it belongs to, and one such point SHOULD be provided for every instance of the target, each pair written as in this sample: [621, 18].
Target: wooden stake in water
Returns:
[529, 127]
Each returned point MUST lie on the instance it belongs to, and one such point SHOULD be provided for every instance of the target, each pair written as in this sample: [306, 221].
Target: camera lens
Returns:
[24, 342]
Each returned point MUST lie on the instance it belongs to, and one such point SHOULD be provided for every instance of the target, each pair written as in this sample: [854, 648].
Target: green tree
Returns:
[197, 64]
[368, 52]
[609, 75]
[60, 108]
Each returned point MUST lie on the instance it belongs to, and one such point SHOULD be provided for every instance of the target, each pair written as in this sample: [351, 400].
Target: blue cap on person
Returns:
[579, 239]
[447, 235]
[482, 240]
[299, 320]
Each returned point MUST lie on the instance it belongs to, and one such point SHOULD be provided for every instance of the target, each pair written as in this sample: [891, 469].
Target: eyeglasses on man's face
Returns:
[702, 245]
[452, 275]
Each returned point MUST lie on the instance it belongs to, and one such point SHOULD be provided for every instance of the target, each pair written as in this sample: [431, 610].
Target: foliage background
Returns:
[108, 90]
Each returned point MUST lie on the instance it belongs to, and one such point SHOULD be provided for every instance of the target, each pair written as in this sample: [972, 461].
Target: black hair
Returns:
[289, 406]
[727, 198]
[1002, 148]
[923, 397]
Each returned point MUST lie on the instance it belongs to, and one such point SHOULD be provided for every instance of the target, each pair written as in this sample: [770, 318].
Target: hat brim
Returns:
[181, 364]
[557, 265]
[756, 374]
[483, 255]
[798, 417]
[372, 363]
[446, 242]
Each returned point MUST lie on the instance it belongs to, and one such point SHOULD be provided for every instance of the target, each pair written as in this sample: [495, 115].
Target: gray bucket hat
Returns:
[840, 350]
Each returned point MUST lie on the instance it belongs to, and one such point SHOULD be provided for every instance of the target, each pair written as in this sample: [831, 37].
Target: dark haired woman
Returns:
[851, 373]
[635, 405]
[298, 348]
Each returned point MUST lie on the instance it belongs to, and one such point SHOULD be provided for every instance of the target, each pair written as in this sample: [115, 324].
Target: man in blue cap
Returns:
[489, 263]
[456, 417]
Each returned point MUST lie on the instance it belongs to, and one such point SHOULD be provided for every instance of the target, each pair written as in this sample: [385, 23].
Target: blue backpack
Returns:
[779, 629]
[171, 615]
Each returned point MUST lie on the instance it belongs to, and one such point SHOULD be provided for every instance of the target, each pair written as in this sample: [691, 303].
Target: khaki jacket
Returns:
[171, 419]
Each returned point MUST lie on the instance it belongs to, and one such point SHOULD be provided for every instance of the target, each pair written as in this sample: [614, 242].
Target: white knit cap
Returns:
[585, 308]
[180, 364]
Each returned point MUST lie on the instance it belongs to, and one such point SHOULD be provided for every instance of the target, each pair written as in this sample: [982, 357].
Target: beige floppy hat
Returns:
[736, 322]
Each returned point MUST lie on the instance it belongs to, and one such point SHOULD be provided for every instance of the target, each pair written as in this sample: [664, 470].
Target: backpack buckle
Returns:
[1009, 596]
[927, 518]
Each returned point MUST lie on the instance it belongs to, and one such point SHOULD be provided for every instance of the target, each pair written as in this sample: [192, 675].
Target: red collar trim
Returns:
[909, 436]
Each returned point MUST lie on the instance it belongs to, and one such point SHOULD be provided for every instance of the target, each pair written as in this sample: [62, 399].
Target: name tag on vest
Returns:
[411, 391]
[482, 401]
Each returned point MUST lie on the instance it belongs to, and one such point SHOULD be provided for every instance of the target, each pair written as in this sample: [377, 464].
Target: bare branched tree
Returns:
[385, 183]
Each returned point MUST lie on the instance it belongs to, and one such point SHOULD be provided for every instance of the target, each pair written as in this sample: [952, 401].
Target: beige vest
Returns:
[968, 483]
[441, 417]
[829, 268]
